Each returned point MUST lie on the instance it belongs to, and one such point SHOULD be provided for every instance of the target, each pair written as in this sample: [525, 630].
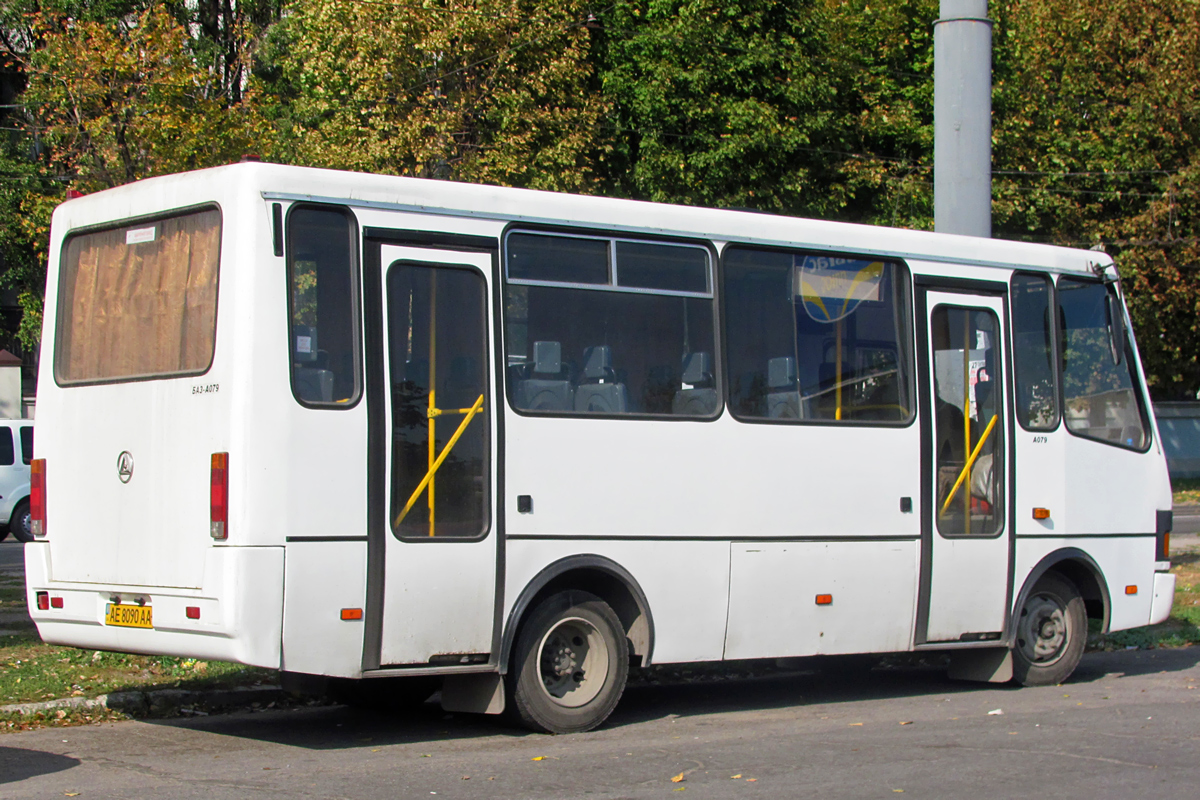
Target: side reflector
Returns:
[352, 613]
[218, 526]
[193, 612]
[824, 599]
[56, 602]
[1041, 513]
[43, 601]
[37, 496]
[1166, 553]
[1131, 590]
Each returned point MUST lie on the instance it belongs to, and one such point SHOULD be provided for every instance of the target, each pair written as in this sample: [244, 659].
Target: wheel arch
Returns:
[1079, 568]
[598, 575]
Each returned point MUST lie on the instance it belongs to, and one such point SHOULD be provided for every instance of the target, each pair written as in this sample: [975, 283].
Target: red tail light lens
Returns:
[219, 497]
[43, 601]
[37, 496]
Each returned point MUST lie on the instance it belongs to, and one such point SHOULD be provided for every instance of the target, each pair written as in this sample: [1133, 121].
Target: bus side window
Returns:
[817, 337]
[602, 325]
[1101, 397]
[1033, 352]
[323, 312]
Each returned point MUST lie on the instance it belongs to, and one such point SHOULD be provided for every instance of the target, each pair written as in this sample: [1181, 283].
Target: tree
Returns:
[493, 91]
[1097, 141]
[818, 108]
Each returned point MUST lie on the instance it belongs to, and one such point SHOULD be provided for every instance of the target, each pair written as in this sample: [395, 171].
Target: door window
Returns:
[968, 420]
[8, 455]
[437, 348]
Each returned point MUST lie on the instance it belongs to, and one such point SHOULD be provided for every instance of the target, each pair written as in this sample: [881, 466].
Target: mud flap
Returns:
[475, 694]
[991, 665]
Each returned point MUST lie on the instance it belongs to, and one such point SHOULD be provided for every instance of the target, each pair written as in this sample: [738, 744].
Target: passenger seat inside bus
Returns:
[548, 389]
[698, 397]
[599, 392]
[783, 399]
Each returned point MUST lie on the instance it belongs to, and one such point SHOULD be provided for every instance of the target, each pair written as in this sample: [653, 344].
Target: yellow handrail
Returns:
[462, 426]
[967, 467]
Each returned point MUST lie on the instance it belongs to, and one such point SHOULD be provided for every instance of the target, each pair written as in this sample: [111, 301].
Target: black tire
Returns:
[21, 524]
[1051, 632]
[569, 665]
[389, 695]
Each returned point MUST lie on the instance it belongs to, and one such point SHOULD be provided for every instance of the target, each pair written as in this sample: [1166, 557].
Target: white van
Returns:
[16, 451]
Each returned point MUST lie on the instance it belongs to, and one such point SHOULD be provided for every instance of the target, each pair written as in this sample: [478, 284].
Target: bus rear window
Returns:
[139, 301]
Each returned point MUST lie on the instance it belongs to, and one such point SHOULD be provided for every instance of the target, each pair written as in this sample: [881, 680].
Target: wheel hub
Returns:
[573, 662]
[1042, 633]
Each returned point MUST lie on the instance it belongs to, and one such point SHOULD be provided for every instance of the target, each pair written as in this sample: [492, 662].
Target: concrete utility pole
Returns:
[962, 118]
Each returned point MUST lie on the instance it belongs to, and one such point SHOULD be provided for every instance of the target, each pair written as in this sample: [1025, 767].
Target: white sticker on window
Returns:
[140, 235]
[303, 344]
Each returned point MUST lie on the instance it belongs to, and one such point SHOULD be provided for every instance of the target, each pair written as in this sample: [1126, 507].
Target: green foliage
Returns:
[815, 108]
[821, 108]
[493, 91]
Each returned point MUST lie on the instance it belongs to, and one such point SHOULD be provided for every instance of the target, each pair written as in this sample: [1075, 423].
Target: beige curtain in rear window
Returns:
[139, 301]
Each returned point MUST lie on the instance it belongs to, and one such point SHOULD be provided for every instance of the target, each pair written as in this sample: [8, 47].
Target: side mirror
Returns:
[1116, 326]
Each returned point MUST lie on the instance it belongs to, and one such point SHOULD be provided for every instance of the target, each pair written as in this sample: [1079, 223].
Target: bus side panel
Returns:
[809, 598]
[240, 604]
[686, 584]
[322, 578]
[1123, 561]
[1111, 489]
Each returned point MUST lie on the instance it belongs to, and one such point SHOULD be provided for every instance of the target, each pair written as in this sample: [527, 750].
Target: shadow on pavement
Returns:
[341, 727]
[1097, 665]
[17, 764]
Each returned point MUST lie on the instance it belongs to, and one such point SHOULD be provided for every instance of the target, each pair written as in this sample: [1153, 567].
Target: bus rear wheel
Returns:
[1051, 632]
[569, 666]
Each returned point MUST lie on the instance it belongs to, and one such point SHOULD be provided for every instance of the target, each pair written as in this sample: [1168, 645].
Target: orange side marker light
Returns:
[1131, 589]
[1041, 513]
[352, 613]
[824, 599]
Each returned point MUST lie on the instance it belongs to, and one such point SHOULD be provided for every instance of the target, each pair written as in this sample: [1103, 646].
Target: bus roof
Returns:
[447, 198]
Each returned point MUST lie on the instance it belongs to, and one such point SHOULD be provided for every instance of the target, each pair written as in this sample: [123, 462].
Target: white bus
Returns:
[357, 427]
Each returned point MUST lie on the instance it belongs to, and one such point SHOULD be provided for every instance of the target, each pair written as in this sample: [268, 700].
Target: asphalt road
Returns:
[12, 557]
[1127, 725]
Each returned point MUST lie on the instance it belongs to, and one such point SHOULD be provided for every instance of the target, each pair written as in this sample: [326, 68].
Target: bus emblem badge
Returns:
[125, 466]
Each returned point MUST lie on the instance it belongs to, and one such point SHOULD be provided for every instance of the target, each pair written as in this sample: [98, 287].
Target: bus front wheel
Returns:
[1051, 632]
[569, 666]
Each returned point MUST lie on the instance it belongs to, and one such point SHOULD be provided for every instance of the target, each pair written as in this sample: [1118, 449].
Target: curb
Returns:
[159, 703]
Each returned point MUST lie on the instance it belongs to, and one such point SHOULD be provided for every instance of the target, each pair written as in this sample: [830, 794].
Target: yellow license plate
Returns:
[128, 616]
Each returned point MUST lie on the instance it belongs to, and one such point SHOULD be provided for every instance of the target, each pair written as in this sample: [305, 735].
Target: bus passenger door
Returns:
[965, 530]
[432, 543]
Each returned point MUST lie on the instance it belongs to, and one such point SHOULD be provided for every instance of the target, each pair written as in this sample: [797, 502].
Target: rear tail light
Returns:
[43, 601]
[219, 497]
[37, 496]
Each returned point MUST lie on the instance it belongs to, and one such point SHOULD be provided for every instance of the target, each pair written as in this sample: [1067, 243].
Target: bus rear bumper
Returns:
[1164, 597]
[237, 615]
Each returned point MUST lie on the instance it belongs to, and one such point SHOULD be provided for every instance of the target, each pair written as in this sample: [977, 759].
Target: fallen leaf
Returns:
[907, 722]
[538, 758]
[466, 777]
[680, 789]
[678, 778]
[996, 712]
[735, 777]
[853, 724]
[71, 794]
[751, 780]
[898, 791]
